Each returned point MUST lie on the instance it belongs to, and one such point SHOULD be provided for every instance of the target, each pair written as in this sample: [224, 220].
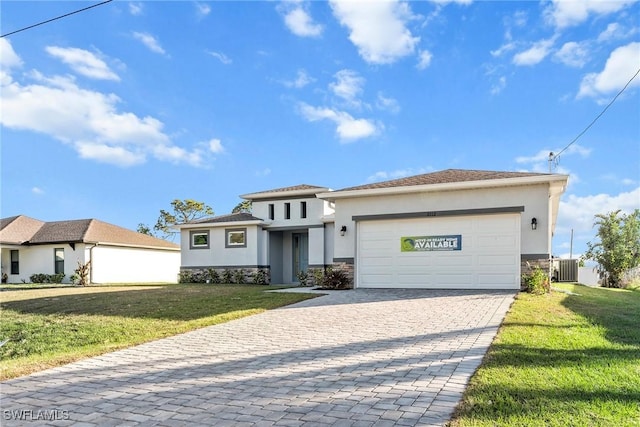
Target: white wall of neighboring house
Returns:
[534, 198]
[117, 264]
[39, 259]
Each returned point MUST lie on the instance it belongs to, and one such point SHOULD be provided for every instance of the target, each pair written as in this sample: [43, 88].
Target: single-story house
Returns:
[29, 246]
[457, 229]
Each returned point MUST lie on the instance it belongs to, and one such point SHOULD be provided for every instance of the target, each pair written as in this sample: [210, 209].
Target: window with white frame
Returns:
[236, 238]
[58, 260]
[199, 240]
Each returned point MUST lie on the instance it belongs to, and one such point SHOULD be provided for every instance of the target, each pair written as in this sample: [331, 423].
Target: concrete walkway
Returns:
[351, 358]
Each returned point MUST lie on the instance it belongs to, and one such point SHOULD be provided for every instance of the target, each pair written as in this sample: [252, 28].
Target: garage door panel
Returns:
[489, 256]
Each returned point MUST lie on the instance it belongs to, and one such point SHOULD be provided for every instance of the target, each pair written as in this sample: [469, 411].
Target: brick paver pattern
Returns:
[351, 358]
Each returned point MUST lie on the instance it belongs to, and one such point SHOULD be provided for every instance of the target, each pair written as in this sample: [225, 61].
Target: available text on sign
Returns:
[431, 243]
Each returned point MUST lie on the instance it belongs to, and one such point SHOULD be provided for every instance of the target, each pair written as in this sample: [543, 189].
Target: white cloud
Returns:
[302, 79]
[348, 86]
[566, 13]
[203, 9]
[499, 85]
[543, 155]
[621, 65]
[8, 57]
[348, 128]
[215, 146]
[298, 20]
[83, 62]
[220, 57]
[387, 104]
[378, 29]
[263, 172]
[37, 190]
[506, 47]
[578, 212]
[88, 121]
[535, 54]
[150, 42]
[573, 54]
[424, 60]
[135, 8]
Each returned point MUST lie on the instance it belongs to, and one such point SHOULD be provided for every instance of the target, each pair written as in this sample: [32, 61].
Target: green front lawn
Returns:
[50, 327]
[564, 359]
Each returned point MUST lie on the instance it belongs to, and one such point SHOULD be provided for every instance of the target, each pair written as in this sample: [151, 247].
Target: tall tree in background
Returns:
[243, 206]
[618, 248]
[182, 211]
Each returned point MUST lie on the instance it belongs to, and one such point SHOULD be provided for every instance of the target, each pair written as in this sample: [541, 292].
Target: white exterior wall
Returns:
[316, 209]
[232, 257]
[316, 246]
[329, 233]
[534, 198]
[40, 259]
[116, 264]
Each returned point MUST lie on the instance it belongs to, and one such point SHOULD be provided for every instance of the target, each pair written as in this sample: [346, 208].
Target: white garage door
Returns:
[462, 252]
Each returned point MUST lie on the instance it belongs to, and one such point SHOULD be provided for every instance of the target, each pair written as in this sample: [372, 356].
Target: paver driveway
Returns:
[351, 358]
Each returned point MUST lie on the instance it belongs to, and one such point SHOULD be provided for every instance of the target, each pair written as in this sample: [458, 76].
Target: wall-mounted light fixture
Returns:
[534, 223]
[343, 230]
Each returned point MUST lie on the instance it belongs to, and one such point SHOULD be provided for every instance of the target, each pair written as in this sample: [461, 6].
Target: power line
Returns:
[56, 18]
[553, 157]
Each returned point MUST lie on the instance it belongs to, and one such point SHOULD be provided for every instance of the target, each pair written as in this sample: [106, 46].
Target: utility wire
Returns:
[56, 18]
[555, 156]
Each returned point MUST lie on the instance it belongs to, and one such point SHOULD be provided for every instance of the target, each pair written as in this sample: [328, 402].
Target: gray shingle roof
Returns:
[298, 190]
[18, 229]
[74, 231]
[443, 177]
[236, 217]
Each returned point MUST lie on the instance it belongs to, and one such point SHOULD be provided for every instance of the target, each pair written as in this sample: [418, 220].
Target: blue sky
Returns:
[114, 112]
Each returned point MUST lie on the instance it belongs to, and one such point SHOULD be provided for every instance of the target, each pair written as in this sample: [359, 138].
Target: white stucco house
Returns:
[29, 246]
[457, 229]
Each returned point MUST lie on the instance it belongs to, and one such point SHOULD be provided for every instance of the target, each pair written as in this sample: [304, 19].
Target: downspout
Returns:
[91, 263]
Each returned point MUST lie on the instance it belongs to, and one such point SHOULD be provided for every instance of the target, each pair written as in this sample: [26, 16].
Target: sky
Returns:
[114, 112]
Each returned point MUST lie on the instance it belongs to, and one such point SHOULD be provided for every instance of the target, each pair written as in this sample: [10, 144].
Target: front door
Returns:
[300, 254]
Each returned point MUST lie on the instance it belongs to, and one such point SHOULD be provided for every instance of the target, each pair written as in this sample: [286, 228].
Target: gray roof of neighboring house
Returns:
[443, 177]
[34, 232]
[301, 189]
[235, 217]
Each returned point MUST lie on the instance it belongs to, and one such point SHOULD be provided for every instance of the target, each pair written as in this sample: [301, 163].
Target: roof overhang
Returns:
[271, 195]
[219, 224]
[556, 179]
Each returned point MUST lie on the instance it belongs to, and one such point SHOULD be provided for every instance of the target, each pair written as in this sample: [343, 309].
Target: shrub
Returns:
[238, 277]
[318, 276]
[260, 277]
[184, 277]
[335, 279]
[303, 277]
[537, 282]
[56, 278]
[213, 276]
[227, 276]
[39, 278]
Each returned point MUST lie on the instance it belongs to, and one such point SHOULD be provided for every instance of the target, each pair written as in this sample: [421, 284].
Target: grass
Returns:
[569, 358]
[53, 326]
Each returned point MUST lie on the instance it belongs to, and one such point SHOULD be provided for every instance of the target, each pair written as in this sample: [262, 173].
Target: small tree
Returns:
[183, 211]
[243, 206]
[618, 248]
[80, 275]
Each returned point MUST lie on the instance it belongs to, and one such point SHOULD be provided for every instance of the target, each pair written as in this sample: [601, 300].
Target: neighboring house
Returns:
[462, 229]
[118, 255]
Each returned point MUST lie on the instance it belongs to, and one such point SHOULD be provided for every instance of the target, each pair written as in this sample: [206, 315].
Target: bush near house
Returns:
[537, 282]
[46, 278]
